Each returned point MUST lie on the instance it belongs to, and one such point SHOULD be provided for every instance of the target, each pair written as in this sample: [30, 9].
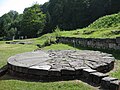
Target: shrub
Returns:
[50, 40]
[57, 32]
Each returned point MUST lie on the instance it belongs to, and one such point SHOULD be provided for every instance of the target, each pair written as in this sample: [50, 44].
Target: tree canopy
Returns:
[66, 14]
[33, 21]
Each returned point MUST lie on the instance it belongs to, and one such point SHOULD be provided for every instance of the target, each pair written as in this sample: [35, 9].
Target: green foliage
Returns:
[33, 21]
[66, 14]
[7, 21]
[49, 41]
[59, 47]
[12, 32]
[106, 22]
[74, 14]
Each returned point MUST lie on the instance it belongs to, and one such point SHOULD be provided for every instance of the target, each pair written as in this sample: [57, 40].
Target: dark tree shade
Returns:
[73, 14]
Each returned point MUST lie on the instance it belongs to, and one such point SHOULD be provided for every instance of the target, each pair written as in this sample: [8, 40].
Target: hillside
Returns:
[105, 27]
[108, 21]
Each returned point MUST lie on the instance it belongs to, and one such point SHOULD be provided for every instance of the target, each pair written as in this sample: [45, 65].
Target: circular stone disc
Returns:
[58, 62]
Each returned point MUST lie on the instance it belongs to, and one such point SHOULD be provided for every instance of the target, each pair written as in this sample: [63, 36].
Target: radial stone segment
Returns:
[58, 65]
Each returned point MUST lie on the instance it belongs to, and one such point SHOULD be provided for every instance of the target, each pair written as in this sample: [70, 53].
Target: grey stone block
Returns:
[22, 69]
[96, 77]
[86, 73]
[68, 71]
[68, 77]
[54, 72]
[114, 85]
[118, 40]
[38, 72]
[79, 70]
[105, 83]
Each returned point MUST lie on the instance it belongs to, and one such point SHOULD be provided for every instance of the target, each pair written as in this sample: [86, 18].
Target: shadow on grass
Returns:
[24, 79]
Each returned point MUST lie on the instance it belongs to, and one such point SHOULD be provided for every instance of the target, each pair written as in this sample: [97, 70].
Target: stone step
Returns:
[96, 77]
[114, 85]
[105, 83]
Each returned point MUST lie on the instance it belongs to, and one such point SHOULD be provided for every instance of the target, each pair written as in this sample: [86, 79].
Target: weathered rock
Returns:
[68, 71]
[87, 72]
[114, 85]
[96, 77]
[99, 43]
[54, 72]
[39, 70]
[105, 83]
[118, 40]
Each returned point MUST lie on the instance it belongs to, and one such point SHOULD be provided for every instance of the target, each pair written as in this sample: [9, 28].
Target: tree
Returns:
[6, 23]
[73, 14]
[33, 21]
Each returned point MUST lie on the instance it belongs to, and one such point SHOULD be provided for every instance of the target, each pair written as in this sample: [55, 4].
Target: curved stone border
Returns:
[59, 65]
[64, 65]
[3, 70]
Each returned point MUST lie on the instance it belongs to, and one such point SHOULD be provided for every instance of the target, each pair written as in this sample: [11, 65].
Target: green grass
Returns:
[59, 47]
[92, 33]
[105, 27]
[24, 85]
[7, 50]
[11, 83]
[41, 40]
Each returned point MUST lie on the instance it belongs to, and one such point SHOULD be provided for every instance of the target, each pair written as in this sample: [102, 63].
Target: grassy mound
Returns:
[105, 27]
[107, 22]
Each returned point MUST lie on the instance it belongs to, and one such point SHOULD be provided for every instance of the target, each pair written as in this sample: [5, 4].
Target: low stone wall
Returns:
[3, 70]
[112, 44]
[86, 74]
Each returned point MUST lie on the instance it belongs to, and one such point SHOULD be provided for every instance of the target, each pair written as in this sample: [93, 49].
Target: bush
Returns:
[50, 40]
[57, 32]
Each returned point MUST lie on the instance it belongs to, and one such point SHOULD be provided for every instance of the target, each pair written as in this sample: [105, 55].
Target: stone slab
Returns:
[44, 67]
[105, 82]
[68, 71]
[118, 40]
[64, 63]
[86, 73]
[96, 77]
[114, 85]
[55, 72]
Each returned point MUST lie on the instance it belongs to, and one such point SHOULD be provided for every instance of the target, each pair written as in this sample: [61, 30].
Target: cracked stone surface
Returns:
[60, 62]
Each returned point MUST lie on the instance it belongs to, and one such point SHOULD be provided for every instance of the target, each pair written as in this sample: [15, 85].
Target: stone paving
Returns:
[57, 65]
[60, 62]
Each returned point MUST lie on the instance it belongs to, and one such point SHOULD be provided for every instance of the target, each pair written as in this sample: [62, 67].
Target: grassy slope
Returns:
[12, 83]
[105, 27]
[93, 33]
